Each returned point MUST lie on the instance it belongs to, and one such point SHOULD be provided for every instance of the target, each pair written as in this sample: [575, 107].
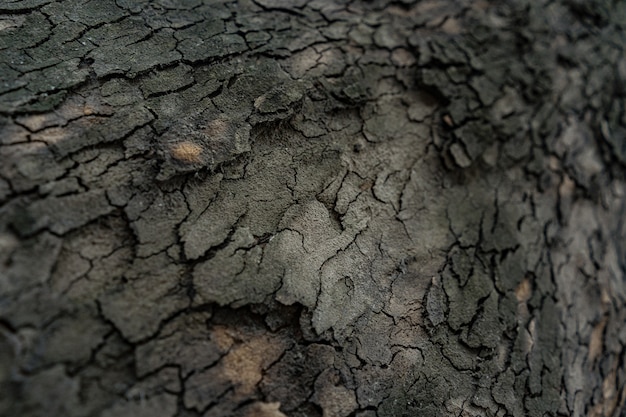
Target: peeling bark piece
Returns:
[300, 282]
[389, 37]
[281, 4]
[476, 137]
[90, 13]
[167, 209]
[335, 399]
[29, 164]
[171, 79]
[419, 111]
[138, 306]
[62, 214]
[220, 45]
[309, 239]
[235, 275]
[121, 125]
[212, 227]
[504, 393]
[436, 303]
[240, 371]
[11, 132]
[58, 77]
[460, 156]
[61, 187]
[69, 339]
[292, 382]
[280, 98]
[260, 409]
[487, 329]
[347, 290]
[203, 141]
[119, 92]
[166, 379]
[8, 347]
[163, 405]
[30, 264]
[159, 49]
[464, 218]
[487, 91]
[5, 190]
[465, 300]
[373, 340]
[205, 388]
[385, 123]
[187, 342]
[371, 384]
[50, 391]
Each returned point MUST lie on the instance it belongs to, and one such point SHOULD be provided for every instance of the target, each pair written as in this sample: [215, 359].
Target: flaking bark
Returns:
[329, 208]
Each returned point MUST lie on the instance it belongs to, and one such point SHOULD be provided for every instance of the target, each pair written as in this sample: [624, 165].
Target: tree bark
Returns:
[312, 208]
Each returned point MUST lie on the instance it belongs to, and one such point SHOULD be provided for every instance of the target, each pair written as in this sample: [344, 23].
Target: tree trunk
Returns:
[312, 208]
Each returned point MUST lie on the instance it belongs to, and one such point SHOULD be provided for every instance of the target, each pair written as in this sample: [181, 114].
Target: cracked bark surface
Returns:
[312, 208]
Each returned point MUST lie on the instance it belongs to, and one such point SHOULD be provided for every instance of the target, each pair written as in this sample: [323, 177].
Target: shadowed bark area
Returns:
[278, 208]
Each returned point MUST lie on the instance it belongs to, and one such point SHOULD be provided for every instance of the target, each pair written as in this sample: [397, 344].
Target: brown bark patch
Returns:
[187, 152]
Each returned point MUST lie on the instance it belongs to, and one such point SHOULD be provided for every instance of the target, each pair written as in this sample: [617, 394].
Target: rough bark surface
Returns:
[312, 208]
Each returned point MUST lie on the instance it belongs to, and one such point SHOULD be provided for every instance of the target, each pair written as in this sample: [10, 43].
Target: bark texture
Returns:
[312, 208]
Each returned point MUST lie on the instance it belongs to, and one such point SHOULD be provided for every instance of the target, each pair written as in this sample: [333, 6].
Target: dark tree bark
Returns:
[312, 208]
